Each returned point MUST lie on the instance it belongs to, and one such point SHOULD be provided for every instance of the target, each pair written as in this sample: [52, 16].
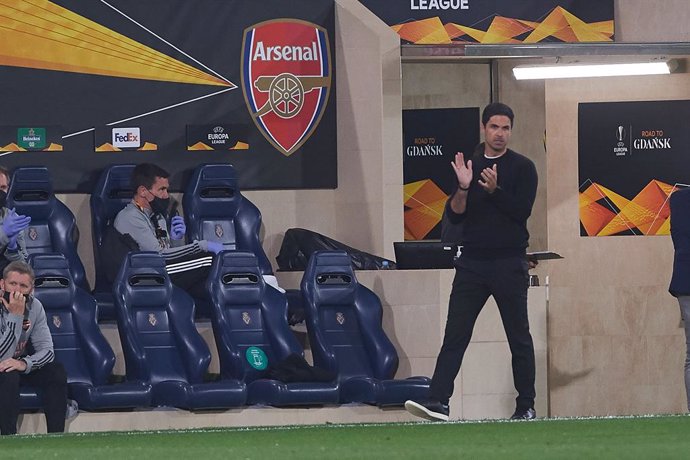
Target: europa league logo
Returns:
[620, 133]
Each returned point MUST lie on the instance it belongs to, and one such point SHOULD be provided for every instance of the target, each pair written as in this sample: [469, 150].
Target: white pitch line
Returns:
[170, 44]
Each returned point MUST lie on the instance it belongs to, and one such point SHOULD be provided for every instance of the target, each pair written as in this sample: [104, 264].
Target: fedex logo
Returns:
[126, 137]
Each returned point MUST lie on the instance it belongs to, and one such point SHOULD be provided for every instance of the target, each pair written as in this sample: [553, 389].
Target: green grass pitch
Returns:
[633, 437]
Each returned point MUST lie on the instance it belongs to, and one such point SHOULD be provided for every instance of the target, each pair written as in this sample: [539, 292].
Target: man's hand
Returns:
[214, 247]
[462, 172]
[14, 223]
[12, 243]
[12, 364]
[489, 180]
[17, 303]
[177, 228]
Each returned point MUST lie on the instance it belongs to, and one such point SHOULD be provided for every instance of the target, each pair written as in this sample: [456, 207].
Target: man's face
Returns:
[14, 282]
[158, 189]
[4, 183]
[497, 133]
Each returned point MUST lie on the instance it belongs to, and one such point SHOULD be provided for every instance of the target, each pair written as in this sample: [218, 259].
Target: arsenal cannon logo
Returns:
[286, 79]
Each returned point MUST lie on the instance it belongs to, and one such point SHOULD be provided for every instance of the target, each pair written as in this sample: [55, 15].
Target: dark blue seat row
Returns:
[215, 210]
[166, 358]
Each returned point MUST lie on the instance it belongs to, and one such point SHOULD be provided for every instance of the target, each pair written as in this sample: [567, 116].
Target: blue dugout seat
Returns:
[53, 228]
[252, 333]
[160, 342]
[111, 193]
[78, 342]
[344, 325]
[215, 210]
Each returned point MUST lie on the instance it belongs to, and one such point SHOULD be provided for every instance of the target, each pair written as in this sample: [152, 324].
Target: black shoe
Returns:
[430, 410]
[524, 414]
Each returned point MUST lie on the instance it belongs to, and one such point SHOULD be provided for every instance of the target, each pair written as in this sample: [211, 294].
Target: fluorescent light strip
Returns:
[590, 70]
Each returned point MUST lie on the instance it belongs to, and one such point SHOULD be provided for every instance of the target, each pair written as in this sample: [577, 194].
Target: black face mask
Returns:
[3, 198]
[160, 206]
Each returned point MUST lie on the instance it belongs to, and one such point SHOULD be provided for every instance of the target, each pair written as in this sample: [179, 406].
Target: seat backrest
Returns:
[215, 210]
[112, 193]
[53, 227]
[344, 320]
[249, 318]
[71, 315]
[156, 324]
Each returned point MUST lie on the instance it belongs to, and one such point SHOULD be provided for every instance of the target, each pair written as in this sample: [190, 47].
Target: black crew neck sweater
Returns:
[495, 225]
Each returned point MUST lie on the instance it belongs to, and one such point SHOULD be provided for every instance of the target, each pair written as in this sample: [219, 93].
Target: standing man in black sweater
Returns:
[494, 198]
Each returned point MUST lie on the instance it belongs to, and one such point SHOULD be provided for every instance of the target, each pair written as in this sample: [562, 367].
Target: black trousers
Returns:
[193, 282]
[51, 380]
[189, 274]
[475, 280]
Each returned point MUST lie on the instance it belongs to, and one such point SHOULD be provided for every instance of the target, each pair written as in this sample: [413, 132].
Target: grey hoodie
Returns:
[14, 339]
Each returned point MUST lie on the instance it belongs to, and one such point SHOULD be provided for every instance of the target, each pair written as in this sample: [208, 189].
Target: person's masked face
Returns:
[4, 188]
[158, 197]
[159, 205]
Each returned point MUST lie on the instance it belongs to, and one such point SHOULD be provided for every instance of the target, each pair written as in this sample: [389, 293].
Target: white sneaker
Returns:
[430, 410]
[72, 409]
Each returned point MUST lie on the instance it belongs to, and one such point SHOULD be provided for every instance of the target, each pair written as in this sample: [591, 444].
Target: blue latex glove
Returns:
[215, 247]
[12, 244]
[14, 223]
[177, 228]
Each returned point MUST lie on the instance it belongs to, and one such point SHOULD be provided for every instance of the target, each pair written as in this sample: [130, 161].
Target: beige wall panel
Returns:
[645, 21]
[445, 85]
[614, 336]
[527, 100]
[369, 131]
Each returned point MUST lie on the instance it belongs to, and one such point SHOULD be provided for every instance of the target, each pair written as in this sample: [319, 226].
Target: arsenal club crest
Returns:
[286, 79]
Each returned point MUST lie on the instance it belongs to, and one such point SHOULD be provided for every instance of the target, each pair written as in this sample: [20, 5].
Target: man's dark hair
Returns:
[145, 174]
[497, 108]
[19, 266]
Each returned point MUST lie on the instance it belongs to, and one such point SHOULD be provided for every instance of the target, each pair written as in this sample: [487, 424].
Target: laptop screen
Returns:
[424, 254]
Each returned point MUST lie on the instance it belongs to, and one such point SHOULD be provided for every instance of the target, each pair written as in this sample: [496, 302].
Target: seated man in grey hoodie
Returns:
[26, 352]
[146, 220]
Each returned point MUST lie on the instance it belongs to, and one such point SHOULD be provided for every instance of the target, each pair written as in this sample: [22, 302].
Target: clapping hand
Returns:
[462, 172]
[14, 223]
[489, 180]
[177, 228]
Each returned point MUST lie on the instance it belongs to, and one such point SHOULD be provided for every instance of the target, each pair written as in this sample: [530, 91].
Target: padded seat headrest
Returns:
[53, 282]
[31, 192]
[147, 282]
[334, 280]
[212, 185]
[147, 260]
[240, 259]
[48, 262]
